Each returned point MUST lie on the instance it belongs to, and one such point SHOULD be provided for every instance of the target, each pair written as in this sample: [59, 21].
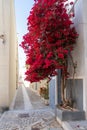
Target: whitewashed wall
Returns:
[6, 51]
[80, 53]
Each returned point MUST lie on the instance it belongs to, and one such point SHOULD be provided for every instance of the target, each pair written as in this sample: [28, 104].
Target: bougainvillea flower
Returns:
[49, 40]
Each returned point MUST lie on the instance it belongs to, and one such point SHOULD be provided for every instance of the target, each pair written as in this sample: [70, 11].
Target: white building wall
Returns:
[80, 52]
[85, 48]
[5, 53]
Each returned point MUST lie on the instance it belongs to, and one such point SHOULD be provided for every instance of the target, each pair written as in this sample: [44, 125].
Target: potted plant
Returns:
[46, 95]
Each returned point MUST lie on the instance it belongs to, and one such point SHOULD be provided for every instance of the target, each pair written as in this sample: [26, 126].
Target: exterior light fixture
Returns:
[2, 37]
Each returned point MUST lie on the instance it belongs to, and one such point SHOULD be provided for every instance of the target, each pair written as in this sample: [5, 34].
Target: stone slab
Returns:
[65, 115]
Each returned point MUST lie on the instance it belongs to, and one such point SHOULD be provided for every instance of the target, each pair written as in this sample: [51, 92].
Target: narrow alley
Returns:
[28, 112]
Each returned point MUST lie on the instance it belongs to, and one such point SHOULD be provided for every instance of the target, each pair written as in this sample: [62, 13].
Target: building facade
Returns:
[79, 83]
[8, 54]
[80, 52]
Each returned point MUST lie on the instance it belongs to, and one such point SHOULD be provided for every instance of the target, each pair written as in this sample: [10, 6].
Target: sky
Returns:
[22, 9]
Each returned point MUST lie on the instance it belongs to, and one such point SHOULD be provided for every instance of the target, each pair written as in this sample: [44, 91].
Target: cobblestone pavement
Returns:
[40, 117]
[24, 120]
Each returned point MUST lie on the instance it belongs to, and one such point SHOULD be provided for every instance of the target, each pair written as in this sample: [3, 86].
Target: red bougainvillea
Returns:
[50, 38]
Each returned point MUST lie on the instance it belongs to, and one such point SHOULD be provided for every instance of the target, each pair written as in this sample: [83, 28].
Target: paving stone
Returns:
[35, 128]
[23, 115]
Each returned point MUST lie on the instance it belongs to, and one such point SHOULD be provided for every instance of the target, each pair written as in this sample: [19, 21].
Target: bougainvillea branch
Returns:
[50, 38]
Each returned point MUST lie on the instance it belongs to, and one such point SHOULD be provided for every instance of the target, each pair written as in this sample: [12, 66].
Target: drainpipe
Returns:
[57, 90]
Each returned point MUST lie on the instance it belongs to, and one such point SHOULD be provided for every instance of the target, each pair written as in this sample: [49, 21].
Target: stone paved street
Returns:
[29, 113]
[19, 101]
[16, 120]
[37, 102]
